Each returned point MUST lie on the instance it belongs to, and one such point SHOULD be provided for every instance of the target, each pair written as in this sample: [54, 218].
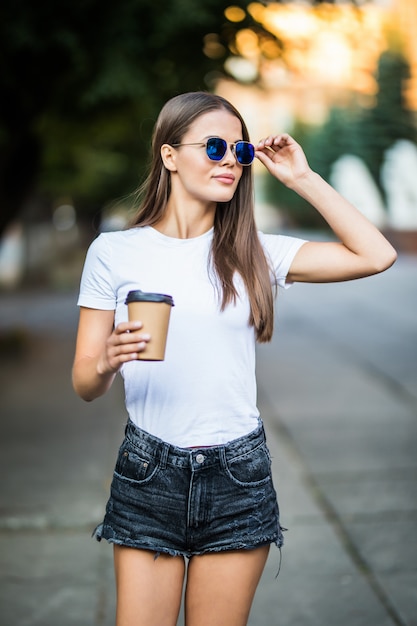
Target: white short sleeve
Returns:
[280, 251]
[97, 290]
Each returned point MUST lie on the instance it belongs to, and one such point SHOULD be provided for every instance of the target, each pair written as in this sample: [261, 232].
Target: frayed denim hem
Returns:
[158, 550]
[129, 543]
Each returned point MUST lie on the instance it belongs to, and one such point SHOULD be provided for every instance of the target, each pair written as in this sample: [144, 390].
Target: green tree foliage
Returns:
[389, 120]
[80, 87]
[368, 133]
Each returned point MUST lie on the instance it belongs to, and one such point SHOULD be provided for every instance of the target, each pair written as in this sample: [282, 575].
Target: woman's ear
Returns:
[168, 157]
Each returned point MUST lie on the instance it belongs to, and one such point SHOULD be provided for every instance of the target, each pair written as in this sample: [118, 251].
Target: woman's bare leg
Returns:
[221, 586]
[148, 589]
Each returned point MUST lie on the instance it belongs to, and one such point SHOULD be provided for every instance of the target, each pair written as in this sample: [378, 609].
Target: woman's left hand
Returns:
[283, 157]
[361, 250]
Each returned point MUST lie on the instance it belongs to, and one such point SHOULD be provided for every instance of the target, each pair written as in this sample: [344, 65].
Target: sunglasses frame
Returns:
[225, 144]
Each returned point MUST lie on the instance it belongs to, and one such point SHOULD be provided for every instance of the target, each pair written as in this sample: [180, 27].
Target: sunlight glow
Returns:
[329, 45]
[328, 42]
[234, 14]
[247, 43]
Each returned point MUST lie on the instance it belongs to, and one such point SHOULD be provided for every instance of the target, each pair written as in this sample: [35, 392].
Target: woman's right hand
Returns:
[102, 349]
[123, 345]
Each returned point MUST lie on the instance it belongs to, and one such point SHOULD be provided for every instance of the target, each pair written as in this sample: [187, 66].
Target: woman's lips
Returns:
[227, 179]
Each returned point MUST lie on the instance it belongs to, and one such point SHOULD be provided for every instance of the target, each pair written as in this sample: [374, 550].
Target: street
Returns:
[338, 393]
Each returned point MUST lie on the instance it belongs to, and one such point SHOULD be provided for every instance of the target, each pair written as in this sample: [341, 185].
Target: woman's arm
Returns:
[362, 250]
[101, 350]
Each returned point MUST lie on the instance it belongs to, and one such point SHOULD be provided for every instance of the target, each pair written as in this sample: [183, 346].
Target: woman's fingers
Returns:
[131, 326]
[125, 343]
[275, 142]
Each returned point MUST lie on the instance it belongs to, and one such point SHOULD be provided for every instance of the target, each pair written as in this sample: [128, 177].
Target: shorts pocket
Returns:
[134, 465]
[250, 469]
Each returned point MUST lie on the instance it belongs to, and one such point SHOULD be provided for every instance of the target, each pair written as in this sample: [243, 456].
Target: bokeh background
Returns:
[81, 85]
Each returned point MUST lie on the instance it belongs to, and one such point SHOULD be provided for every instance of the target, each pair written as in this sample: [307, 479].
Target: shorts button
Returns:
[199, 458]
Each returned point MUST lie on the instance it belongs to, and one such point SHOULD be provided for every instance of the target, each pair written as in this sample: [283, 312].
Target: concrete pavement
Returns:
[339, 386]
[338, 393]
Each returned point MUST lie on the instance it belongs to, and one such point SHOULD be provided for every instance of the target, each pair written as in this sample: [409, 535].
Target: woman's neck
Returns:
[186, 222]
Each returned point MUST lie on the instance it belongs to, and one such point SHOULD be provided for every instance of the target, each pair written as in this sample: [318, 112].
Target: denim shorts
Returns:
[189, 501]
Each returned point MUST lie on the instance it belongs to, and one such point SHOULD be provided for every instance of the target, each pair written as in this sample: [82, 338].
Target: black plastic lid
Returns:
[142, 296]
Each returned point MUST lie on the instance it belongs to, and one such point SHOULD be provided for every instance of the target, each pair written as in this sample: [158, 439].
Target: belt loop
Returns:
[164, 455]
[222, 454]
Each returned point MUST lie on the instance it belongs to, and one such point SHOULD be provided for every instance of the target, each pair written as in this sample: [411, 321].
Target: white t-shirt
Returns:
[204, 393]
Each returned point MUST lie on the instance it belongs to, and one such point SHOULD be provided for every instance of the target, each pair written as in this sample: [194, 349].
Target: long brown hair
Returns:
[236, 246]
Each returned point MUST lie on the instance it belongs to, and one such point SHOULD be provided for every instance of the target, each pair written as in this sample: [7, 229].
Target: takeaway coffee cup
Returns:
[153, 310]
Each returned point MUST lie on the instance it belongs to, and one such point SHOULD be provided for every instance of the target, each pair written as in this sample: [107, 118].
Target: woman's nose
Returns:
[229, 157]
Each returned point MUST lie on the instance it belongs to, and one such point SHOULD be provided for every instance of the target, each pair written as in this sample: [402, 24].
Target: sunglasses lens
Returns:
[245, 152]
[216, 148]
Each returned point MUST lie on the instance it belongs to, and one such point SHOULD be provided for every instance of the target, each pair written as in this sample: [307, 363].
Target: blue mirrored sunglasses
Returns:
[216, 149]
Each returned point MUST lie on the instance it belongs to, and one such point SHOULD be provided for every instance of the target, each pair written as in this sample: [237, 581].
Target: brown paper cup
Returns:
[153, 310]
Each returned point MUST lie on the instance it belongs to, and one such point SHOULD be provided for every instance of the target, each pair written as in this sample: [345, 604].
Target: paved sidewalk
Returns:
[338, 393]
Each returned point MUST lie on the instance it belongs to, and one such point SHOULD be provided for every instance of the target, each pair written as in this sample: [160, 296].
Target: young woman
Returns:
[192, 478]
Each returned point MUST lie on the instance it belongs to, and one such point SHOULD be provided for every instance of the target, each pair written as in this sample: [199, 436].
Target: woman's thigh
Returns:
[149, 588]
[221, 586]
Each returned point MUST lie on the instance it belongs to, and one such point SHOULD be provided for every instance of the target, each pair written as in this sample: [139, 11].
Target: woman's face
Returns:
[198, 177]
